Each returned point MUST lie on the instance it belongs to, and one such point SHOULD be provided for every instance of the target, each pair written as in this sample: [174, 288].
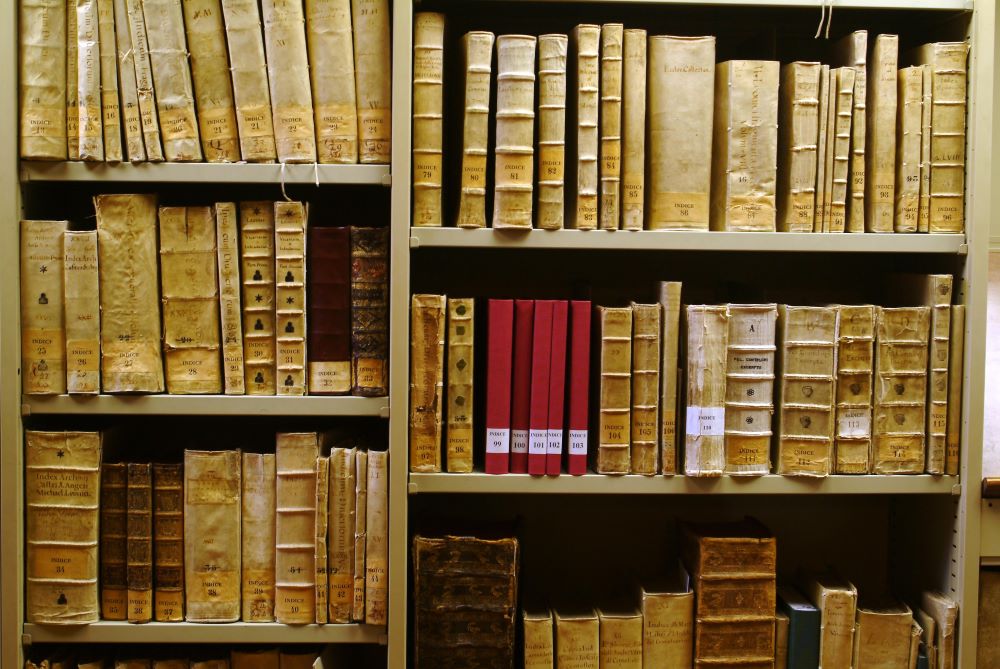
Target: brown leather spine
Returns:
[329, 310]
[369, 311]
[139, 549]
[168, 542]
[114, 482]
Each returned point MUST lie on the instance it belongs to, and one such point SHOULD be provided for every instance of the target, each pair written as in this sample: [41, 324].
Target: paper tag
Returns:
[62, 562]
[514, 169]
[611, 151]
[330, 377]
[217, 123]
[255, 121]
[685, 210]
[632, 189]
[586, 212]
[554, 442]
[474, 171]
[550, 163]
[497, 440]
[113, 603]
[178, 123]
[369, 373]
[427, 169]
[293, 122]
[428, 65]
[577, 442]
[90, 122]
[706, 421]
[169, 605]
[519, 441]
[537, 442]
[44, 122]
[854, 423]
[373, 124]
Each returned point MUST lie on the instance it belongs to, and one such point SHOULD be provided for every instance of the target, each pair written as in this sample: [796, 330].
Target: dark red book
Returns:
[557, 388]
[328, 320]
[500, 334]
[524, 317]
[579, 387]
[541, 351]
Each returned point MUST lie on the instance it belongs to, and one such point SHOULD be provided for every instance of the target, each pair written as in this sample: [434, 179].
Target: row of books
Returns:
[254, 301]
[202, 80]
[299, 536]
[661, 137]
[235, 658]
[728, 389]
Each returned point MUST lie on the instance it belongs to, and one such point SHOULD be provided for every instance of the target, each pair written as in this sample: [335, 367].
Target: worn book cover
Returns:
[584, 87]
[460, 384]
[910, 93]
[670, 305]
[167, 541]
[836, 600]
[668, 621]
[883, 631]
[230, 315]
[614, 405]
[340, 543]
[294, 527]
[855, 360]
[428, 114]
[257, 273]
[251, 96]
[42, 41]
[852, 50]
[288, 75]
[477, 47]
[633, 129]
[331, 50]
[114, 539]
[134, 149]
[539, 638]
[290, 297]
[551, 113]
[705, 390]
[43, 319]
[373, 78]
[377, 540]
[645, 388]
[427, 344]
[621, 637]
[880, 148]
[257, 537]
[749, 404]
[328, 279]
[515, 122]
[610, 165]
[370, 311]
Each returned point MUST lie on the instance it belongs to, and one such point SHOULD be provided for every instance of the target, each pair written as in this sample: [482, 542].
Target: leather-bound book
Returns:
[139, 547]
[168, 542]
[114, 540]
[43, 328]
[257, 538]
[370, 311]
[329, 310]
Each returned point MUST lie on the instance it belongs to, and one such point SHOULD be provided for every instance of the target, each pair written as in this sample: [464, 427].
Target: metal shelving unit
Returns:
[250, 633]
[204, 405]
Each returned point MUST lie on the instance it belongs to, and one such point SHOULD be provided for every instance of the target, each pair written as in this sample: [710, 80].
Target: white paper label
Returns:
[497, 440]
[578, 442]
[554, 442]
[518, 441]
[537, 442]
[706, 421]
[854, 423]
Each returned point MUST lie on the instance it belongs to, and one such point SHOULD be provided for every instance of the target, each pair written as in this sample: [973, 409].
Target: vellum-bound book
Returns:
[621, 637]
[515, 131]
[131, 119]
[611, 126]
[586, 91]
[110, 112]
[705, 393]
[213, 84]
[910, 94]
[331, 55]
[360, 534]
[900, 390]
[477, 47]
[539, 639]
[577, 638]
[340, 545]
[668, 622]
[321, 529]
[373, 77]
[258, 511]
[130, 310]
[670, 305]
[190, 290]
[798, 123]
[230, 316]
[295, 498]
[172, 79]
[377, 540]
[257, 270]
[944, 612]
[745, 146]
[614, 405]
[843, 97]
[72, 116]
[852, 50]
[552, 50]
[882, 637]
[837, 601]
[956, 375]
[43, 39]
[88, 86]
[855, 360]
[427, 345]
[831, 123]
[148, 115]
[645, 387]
[820, 221]
[750, 388]
[251, 95]
[926, 110]
[633, 129]
[83, 313]
[807, 344]
[43, 320]
[290, 297]
[62, 481]
[880, 156]
[679, 110]
[460, 383]
[288, 74]
[428, 107]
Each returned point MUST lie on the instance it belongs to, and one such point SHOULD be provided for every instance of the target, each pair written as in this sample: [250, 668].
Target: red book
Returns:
[579, 386]
[329, 310]
[538, 422]
[498, 357]
[557, 388]
[524, 315]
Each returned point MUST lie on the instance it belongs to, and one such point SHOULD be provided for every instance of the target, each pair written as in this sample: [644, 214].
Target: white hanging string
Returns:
[283, 193]
[829, 20]
[822, 18]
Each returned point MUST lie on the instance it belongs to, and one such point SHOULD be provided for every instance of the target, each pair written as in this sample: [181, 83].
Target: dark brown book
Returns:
[114, 538]
[329, 310]
[370, 311]
[168, 542]
[254, 658]
[140, 543]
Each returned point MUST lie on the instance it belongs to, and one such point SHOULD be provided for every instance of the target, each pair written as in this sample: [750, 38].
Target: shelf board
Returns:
[108, 631]
[938, 5]
[204, 405]
[681, 485]
[683, 240]
[272, 173]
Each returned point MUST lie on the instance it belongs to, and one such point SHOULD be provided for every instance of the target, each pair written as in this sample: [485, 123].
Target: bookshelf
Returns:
[204, 405]
[235, 633]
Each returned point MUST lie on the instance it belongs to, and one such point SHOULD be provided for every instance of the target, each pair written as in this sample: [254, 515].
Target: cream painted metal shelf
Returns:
[271, 633]
[479, 483]
[205, 405]
[272, 173]
[684, 240]
[938, 5]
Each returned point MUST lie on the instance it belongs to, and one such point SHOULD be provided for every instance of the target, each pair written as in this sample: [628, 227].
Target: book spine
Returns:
[948, 100]
[148, 115]
[633, 128]
[614, 392]
[288, 74]
[477, 48]
[377, 540]
[855, 358]
[110, 112]
[43, 319]
[72, 90]
[668, 627]
[820, 220]
[880, 157]
[322, 521]
[646, 328]
[745, 146]
[331, 49]
[373, 70]
[939, 291]
[131, 358]
[168, 541]
[749, 403]
[190, 295]
[541, 359]
[140, 543]
[460, 381]
[290, 297]
[857, 44]
[43, 40]
[62, 486]
[557, 388]
[213, 84]
[341, 541]
[837, 627]
[577, 641]
[257, 270]
[135, 147]
[705, 392]
[82, 310]
[551, 113]
[114, 541]
[621, 640]
[230, 316]
[520, 407]
[956, 377]
[328, 287]
[360, 534]
[900, 390]
[515, 122]
[831, 127]
[428, 114]
[88, 70]
[295, 542]
[841, 148]
[212, 559]
[251, 95]
[926, 109]
[882, 636]
[500, 332]
[586, 89]
[370, 311]
[808, 338]
[680, 136]
[539, 650]
[168, 55]
[257, 537]
[910, 91]
[612, 36]
[579, 388]
[670, 304]
[798, 125]
[426, 381]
